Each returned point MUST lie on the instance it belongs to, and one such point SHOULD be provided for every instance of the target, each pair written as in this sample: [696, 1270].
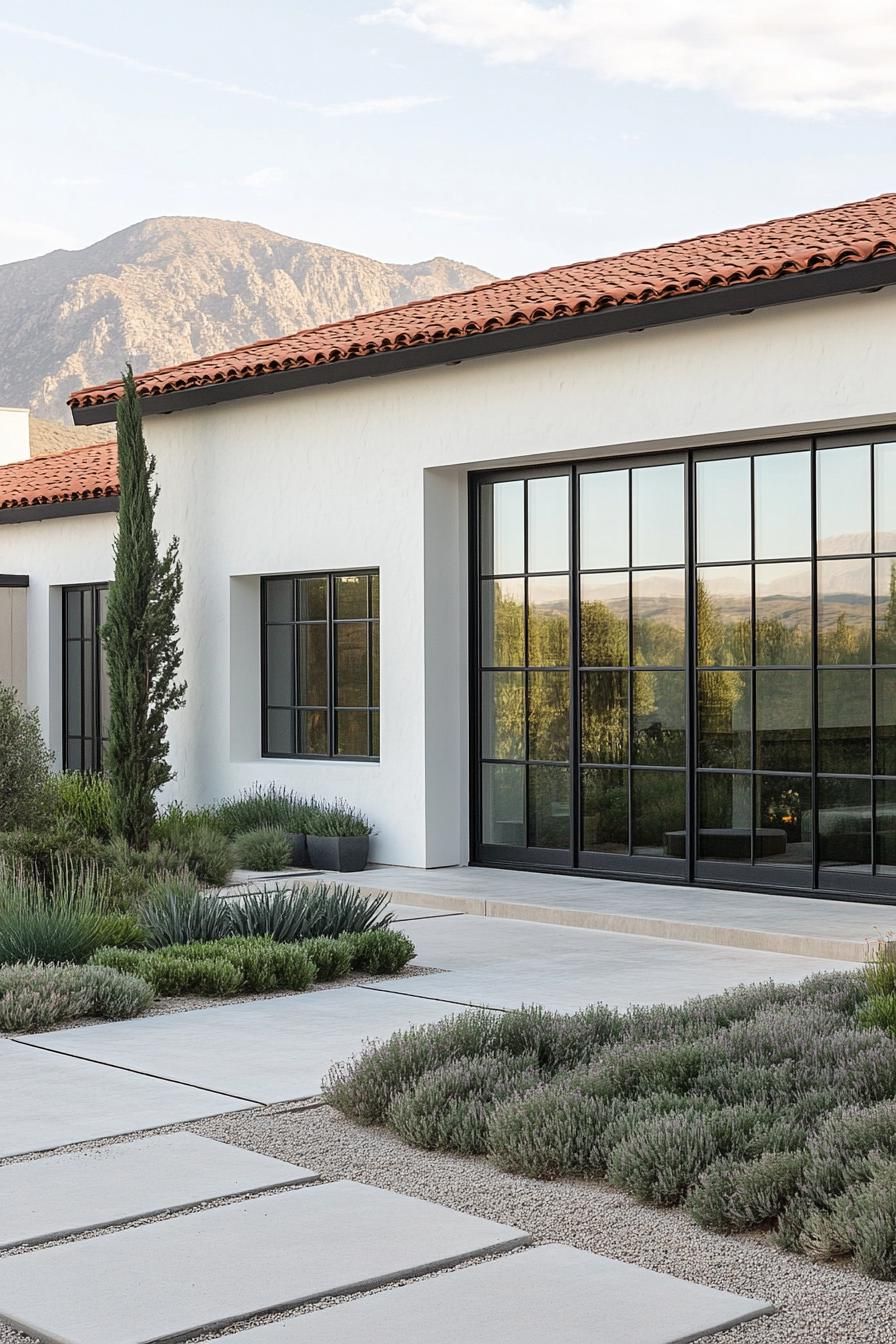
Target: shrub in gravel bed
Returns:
[448, 1108]
[332, 957]
[34, 997]
[379, 951]
[768, 1107]
[264, 850]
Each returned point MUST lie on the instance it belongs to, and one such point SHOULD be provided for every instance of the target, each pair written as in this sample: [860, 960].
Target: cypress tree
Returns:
[141, 637]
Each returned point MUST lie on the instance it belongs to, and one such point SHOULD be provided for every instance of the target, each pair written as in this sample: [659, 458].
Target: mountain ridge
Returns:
[174, 288]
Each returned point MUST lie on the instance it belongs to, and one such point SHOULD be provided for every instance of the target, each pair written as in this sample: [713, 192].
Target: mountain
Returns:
[174, 289]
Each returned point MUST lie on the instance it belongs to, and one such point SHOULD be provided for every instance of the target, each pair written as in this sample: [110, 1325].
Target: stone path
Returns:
[165, 1280]
[49, 1100]
[56, 1196]
[547, 1293]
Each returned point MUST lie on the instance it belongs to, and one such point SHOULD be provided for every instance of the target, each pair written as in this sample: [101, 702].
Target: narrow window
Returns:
[85, 681]
[320, 658]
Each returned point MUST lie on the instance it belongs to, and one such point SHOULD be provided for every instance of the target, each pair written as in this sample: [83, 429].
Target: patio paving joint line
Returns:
[143, 1073]
[433, 998]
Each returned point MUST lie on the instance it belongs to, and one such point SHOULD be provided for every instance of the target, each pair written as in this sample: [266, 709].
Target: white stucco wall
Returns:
[373, 472]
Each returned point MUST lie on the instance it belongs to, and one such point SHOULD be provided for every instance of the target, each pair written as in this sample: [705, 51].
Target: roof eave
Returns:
[850, 278]
[63, 508]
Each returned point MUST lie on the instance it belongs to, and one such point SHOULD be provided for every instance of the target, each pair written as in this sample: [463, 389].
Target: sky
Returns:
[510, 134]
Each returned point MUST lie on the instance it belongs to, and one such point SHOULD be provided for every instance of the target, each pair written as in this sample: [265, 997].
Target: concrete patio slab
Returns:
[505, 963]
[56, 1196]
[161, 1281]
[794, 925]
[261, 1051]
[50, 1100]
[547, 1293]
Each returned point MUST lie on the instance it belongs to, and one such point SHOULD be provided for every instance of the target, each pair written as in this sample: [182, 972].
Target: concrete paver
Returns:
[164, 1280]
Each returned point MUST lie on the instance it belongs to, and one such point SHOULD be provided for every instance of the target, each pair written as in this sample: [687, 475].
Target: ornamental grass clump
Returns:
[35, 997]
[263, 850]
[291, 913]
[62, 922]
[335, 819]
[176, 910]
[254, 808]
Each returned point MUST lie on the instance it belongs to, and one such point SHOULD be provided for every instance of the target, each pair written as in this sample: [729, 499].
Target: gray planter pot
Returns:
[339, 853]
[299, 856]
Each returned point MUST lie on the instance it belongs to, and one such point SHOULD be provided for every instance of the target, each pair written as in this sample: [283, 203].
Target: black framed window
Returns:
[685, 665]
[85, 679]
[320, 660]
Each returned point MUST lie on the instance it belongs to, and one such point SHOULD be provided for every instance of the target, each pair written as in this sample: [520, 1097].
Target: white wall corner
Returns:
[245, 668]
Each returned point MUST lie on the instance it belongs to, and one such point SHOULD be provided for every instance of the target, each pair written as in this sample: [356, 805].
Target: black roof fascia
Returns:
[68, 508]
[853, 277]
[14, 580]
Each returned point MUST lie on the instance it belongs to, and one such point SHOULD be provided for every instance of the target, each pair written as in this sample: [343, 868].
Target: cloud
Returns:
[787, 57]
[263, 178]
[360, 107]
[458, 216]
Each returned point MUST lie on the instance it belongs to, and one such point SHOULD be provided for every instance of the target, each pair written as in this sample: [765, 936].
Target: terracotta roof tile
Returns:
[857, 232]
[79, 473]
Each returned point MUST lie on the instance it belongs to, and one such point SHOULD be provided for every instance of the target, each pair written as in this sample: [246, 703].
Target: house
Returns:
[592, 569]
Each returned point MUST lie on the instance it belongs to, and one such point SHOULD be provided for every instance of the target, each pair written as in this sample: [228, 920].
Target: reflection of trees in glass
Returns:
[548, 637]
[507, 625]
[658, 718]
[549, 716]
[548, 807]
[886, 626]
[604, 636]
[657, 807]
[605, 810]
[722, 640]
[504, 701]
[847, 641]
[605, 716]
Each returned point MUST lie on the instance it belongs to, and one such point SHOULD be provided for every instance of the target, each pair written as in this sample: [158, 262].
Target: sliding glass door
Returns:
[685, 666]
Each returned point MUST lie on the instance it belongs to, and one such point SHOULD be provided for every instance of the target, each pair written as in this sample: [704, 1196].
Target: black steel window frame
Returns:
[92, 657]
[331, 708]
[822, 881]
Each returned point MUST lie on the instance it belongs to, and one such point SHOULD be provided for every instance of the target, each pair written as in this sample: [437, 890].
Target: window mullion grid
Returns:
[331, 663]
[813, 653]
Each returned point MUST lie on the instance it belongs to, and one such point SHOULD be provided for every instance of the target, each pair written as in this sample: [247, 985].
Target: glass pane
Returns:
[783, 819]
[104, 692]
[351, 596]
[281, 687]
[784, 614]
[844, 823]
[548, 716]
[375, 733]
[658, 616]
[504, 805]
[313, 664]
[375, 594]
[375, 662]
[548, 807]
[281, 732]
[885, 611]
[844, 722]
[603, 520]
[658, 718]
[658, 515]
[723, 717]
[885, 735]
[605, 716]
[73, 649]
[885, 496]
[73, 613]
[724, 621]
[549, 622]
[783, 505]
[312, 599]
[605, 811]
[844, 611]
[723, 510]
[885, 825]
[725, 805]
[313, 732]
[843, 494]
[503, 715]
[279, 599]
[603, 617]
[502, 527]
[503, 628]
[351, 732]
[658, 812]
[351, 663]
[73, 757]
[783, 720]
[87, 613]
[548, 523]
